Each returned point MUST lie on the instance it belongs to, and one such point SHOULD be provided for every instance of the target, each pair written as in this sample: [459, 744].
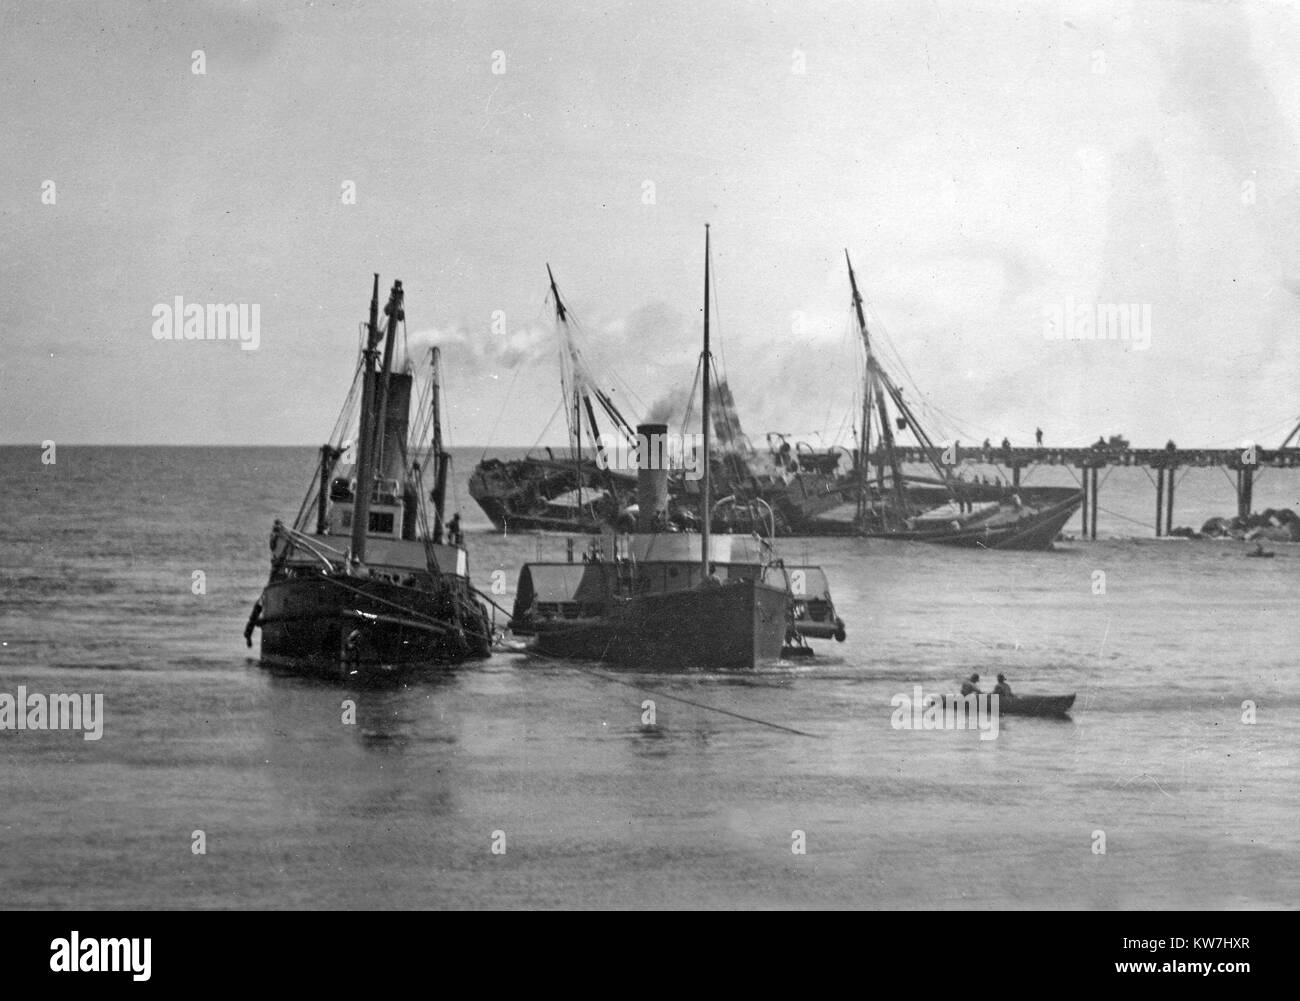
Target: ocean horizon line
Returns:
[132, 444]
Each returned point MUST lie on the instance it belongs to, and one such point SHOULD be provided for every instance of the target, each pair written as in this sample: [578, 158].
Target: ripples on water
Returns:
[399, 809]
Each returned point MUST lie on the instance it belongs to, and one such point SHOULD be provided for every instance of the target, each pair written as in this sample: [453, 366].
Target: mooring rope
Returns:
[677, 698]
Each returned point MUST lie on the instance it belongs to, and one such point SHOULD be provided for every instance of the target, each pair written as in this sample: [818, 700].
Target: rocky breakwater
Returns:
[1272, 525]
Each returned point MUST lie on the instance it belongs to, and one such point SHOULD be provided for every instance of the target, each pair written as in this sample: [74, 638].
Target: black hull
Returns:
[1057, 706]
[1036, 705]
[735, 626]
[1032, 531]
[517, 495]
[355, 628]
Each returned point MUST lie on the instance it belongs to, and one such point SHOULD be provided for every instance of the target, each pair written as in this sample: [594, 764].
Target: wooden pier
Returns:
[1244, 461]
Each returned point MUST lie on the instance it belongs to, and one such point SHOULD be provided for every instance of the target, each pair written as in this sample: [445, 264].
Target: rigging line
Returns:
[335, 439]
[878, 327]
[718, 338]
[545, 427]
[627, 389]
[677, 698]
[499, 608]
[938, 417]
[1259, 431]
[501, 413]
[1124, 517]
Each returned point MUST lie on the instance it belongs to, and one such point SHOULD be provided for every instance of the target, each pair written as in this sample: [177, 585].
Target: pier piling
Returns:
[1169, 500]
[1160, 497]
[1245, 490]
[1093, 530]
[1083, 530]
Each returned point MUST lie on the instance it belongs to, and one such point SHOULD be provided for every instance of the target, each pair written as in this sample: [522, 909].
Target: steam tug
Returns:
[666, 599]
[363, 585]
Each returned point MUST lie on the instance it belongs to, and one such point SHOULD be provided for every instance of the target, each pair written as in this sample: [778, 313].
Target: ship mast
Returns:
[365, 461]
[706, 367]
[441, 461]
[575, 419]
[864, 440]
[886, 432]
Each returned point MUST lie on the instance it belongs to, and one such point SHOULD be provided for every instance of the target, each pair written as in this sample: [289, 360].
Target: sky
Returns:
[987, 166]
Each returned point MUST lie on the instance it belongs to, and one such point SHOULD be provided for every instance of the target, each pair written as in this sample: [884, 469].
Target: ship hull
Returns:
[1022, 705]
[540, 495]
[734, 626]
[537, 495]
[352, 628]
[1033, 530]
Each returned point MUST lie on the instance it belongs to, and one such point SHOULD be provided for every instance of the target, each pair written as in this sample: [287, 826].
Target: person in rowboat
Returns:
[1002, 688]
[971, 686]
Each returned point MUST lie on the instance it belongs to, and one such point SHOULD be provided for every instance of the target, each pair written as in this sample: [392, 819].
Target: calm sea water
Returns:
[298, 809]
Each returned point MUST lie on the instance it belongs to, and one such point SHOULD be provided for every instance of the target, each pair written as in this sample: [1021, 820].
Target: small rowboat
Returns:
[1026, 705]
[1036, 705]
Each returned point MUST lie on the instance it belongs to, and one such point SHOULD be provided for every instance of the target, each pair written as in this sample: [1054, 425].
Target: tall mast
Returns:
[864, 440]
[706, 366]
[440, 459]
[575, 423]
[886, 432]
[365, 460]
[577, 452]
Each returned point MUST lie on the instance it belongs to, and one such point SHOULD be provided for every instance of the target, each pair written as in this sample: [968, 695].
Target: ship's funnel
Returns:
[652, 477]
[396, 422]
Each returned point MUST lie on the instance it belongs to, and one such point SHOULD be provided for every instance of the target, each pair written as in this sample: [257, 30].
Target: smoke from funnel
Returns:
[670, 408]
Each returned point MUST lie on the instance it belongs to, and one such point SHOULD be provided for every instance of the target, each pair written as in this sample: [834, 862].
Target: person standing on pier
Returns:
[1038, 436]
